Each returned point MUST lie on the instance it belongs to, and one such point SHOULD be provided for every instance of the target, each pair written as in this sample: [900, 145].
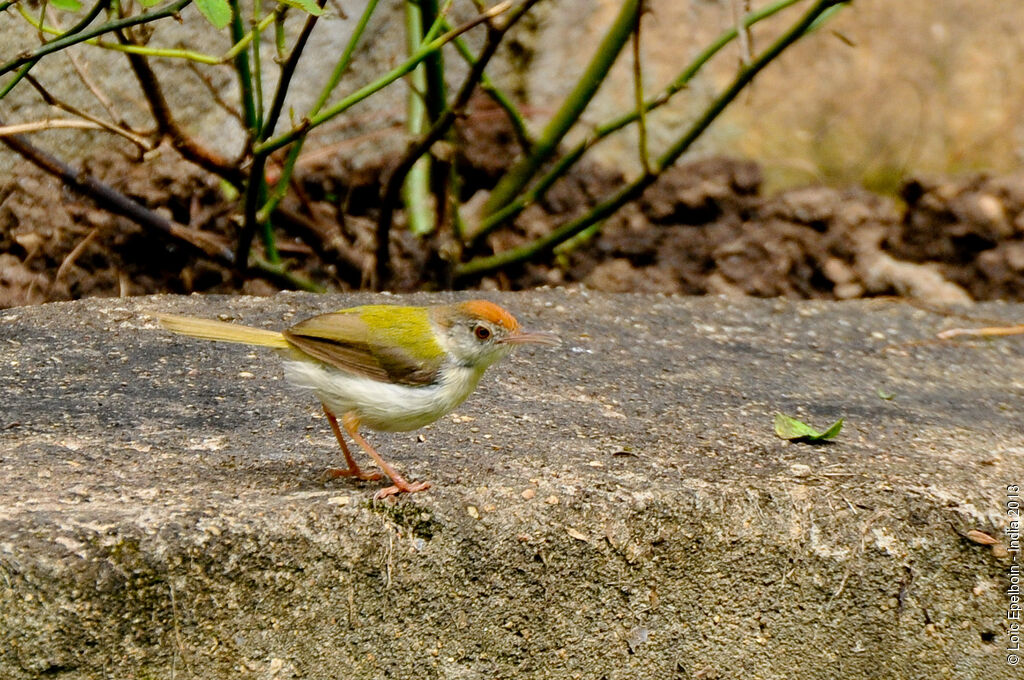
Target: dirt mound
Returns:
[973, 229]
[704, 228]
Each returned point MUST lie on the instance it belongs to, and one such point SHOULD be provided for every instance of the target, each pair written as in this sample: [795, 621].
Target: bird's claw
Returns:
[404, 488]
[334, 473]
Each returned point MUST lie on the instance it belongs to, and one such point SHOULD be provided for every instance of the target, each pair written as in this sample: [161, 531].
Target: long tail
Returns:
[208, 329]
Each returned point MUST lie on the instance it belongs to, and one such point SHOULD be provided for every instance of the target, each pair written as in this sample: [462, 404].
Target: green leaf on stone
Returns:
[787, 427]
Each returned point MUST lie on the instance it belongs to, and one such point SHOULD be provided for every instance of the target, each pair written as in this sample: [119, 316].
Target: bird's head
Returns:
[477, 333]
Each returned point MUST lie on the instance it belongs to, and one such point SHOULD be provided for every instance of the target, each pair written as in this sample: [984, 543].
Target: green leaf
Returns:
[832, 431]
[150, 3]
[67, 5]
[882, 394]
[217, 12]
[309, 6]
[787, 427]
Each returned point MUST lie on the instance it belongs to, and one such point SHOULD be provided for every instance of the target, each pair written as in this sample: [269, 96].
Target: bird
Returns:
[390, 368]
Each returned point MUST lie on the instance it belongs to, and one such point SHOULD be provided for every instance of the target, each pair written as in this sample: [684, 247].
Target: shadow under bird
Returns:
[386, 367]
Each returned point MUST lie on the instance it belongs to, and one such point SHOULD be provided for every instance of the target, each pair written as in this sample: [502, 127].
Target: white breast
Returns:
[383, 406]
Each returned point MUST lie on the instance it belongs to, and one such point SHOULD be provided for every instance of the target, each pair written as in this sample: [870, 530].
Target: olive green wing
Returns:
[381, 342]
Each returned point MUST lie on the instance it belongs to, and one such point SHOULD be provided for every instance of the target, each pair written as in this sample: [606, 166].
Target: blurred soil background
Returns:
[881, 156]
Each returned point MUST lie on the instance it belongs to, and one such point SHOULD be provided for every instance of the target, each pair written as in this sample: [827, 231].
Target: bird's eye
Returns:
[482, 332]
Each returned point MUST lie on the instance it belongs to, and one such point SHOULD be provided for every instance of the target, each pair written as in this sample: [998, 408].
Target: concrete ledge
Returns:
[615, 508]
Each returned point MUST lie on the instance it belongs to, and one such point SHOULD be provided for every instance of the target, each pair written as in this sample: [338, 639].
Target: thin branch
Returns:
[81, 69]
[243, 69]
[112, 200]
[638, 94]
[287, 72]
[520, 174]
[167, 127]
[281, 187]
[41, 125]
[391, 76]
[392, 187]
[200, 243]
[31, 61]
[215, 93]
[69, 259]
[559, 169]
[635, 189]
[499, 97]
[256, 190]
[83, 74]
[73, 37]
[255, 53]
[746, 45]
[162, 52]
[96, 121]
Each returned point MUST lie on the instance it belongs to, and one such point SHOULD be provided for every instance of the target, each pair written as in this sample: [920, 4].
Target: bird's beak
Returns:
[530, 338]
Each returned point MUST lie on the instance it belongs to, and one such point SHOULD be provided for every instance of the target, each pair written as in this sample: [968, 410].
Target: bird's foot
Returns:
[404, 487]
[357, 473]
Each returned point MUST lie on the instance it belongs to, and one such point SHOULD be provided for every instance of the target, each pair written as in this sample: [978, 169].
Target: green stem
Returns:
[257, 72]
[635, 189]
[432, 45]
[199, 57]
[638, 95]
[77, 28]
[73, 39]
[22, 72]
[416, 188]
[256, 193]
[435, 93]
[499, 97]
[558, 170]
[39, 24]
[439, 129]
[281, 187]
[244, 71]
[164, 52]
[547, 143]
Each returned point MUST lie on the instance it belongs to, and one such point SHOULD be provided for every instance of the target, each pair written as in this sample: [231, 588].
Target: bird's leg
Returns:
[353, 468]
[399, 484]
